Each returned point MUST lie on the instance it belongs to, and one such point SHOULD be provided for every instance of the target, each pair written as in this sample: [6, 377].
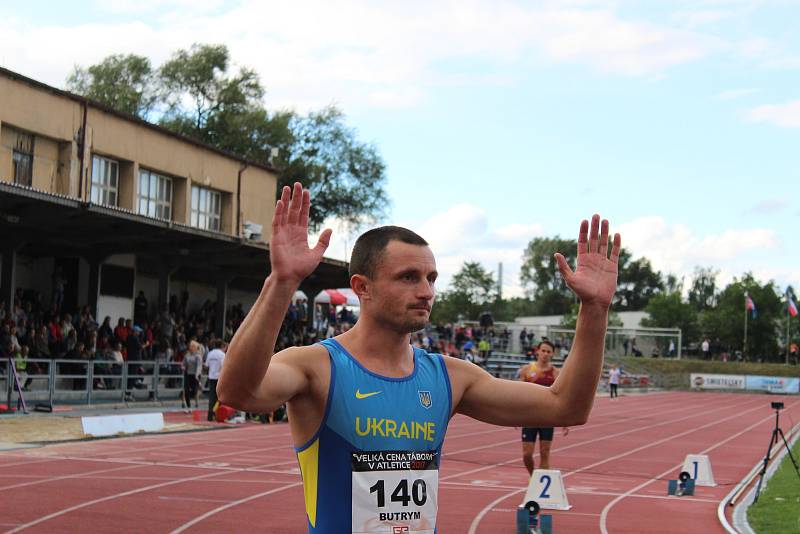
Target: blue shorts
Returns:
[529, 434]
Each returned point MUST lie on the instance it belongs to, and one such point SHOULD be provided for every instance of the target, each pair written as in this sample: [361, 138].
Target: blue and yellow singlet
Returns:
[373, 464]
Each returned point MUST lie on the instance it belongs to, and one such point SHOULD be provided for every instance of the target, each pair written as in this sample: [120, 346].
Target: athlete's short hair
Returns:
[546, 342]
[370, 245]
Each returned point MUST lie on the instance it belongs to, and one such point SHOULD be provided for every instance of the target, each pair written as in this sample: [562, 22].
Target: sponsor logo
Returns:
[400, 530]
[360, 395]
[425, 399]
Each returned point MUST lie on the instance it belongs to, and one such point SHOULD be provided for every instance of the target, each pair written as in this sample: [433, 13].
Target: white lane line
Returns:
[604, 513]
[583, 428]
[692, 409]
[474, 526]
[231, 505]
[118, 496]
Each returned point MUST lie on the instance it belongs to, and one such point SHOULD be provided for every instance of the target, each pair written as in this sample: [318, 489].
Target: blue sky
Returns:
[501, 121]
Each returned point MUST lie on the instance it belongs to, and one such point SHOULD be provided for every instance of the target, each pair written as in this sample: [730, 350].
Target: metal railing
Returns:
[92, 381]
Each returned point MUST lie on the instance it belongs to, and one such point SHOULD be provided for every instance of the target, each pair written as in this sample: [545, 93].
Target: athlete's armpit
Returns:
[290, 373]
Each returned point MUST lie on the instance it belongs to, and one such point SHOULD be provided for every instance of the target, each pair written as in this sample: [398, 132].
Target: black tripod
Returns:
[776, 432]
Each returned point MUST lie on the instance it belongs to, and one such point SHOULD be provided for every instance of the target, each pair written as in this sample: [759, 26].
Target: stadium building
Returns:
[99, 205]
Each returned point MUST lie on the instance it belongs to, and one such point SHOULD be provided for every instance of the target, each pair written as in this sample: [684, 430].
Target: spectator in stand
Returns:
[41, 343]
[59, 284]
[121, 331]
[24, 332]
[214, 362]
[140, 309]
[192, 367]
[484, 348]
[134, 344]
[105, 329]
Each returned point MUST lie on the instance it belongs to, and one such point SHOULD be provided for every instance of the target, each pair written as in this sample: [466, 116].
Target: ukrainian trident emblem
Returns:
[425, 399]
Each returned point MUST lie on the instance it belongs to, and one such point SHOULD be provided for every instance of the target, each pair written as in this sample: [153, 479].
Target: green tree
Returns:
[541, 278]
[668, 310]
[726, 320]
[472, 291]
[125, 83]
[200, 96]
[703, 293]
[637, 283]
[346, 176]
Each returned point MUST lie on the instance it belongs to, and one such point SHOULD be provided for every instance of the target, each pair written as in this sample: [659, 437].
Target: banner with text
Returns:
[709, 381]
[773, 384]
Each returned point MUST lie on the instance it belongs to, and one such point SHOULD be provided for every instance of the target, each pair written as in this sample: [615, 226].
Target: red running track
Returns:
[246, 479]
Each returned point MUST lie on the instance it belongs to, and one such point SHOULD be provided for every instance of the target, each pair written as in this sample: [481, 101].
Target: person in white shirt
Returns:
[214, 361]
[613, 381]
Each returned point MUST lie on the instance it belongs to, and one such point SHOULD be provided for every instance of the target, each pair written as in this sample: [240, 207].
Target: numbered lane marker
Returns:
[699, 467]
[546, 487]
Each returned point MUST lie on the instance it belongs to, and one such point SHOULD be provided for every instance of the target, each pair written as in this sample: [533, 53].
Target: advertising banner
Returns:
[773, 384]
[708, 381]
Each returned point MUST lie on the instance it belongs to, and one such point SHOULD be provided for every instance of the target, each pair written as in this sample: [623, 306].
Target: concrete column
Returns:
[222, 304]
[7, 276]
[94, 285]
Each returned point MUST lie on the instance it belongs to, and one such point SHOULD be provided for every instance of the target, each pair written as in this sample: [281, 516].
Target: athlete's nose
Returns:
[425, 290]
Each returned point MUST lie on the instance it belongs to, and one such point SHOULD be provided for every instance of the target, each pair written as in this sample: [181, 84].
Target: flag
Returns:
[792, 306]
[750, 305]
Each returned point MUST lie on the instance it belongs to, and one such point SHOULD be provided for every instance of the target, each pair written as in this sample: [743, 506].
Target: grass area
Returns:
[674, 374]
[778, 508]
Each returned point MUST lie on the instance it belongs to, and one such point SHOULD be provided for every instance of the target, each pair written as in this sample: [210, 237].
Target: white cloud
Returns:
[786, 115]
[675, 248]
[462, 232]
[361, 54]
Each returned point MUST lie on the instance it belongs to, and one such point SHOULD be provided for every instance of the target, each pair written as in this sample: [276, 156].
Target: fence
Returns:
[92, 381]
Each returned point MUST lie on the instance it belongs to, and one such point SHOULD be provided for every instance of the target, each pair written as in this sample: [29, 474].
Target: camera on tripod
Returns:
[777, 406]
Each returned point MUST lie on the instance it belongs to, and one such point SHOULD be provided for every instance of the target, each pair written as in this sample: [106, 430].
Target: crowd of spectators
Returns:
[33, 330]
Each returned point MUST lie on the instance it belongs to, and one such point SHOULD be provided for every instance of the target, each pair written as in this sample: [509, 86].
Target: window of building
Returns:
[206, 208]
[155, 195]
[105, 181]
[22, 157]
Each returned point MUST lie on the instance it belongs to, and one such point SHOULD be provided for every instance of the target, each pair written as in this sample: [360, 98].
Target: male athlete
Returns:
[367, 411]
[543, 373]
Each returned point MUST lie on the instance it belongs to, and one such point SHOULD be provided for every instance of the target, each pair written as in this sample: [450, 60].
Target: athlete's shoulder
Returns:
[309, 355]
[459, 369]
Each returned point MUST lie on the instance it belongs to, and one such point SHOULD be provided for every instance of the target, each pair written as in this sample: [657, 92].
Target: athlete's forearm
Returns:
[576, 383]
[253, 345]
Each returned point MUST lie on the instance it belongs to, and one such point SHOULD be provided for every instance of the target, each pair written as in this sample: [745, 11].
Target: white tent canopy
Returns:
[337, 297]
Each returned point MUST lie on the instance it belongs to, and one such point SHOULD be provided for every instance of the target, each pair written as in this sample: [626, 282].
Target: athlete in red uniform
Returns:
[543, 373]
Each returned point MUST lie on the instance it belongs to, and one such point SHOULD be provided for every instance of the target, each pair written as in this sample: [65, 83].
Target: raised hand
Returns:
[594, 279]
[290, 256]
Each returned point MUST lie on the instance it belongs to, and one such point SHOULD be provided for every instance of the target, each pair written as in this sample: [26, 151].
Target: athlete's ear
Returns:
[360, 286]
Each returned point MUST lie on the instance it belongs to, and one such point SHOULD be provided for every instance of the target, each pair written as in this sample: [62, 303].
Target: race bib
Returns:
[394, 492]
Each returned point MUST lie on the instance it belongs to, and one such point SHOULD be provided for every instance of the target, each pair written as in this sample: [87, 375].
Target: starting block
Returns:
[699, 468]
[546, 488]
[683, 486]
[530, 522]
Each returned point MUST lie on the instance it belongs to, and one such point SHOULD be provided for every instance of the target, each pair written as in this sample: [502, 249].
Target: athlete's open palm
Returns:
[594, 279]
[290, 255]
